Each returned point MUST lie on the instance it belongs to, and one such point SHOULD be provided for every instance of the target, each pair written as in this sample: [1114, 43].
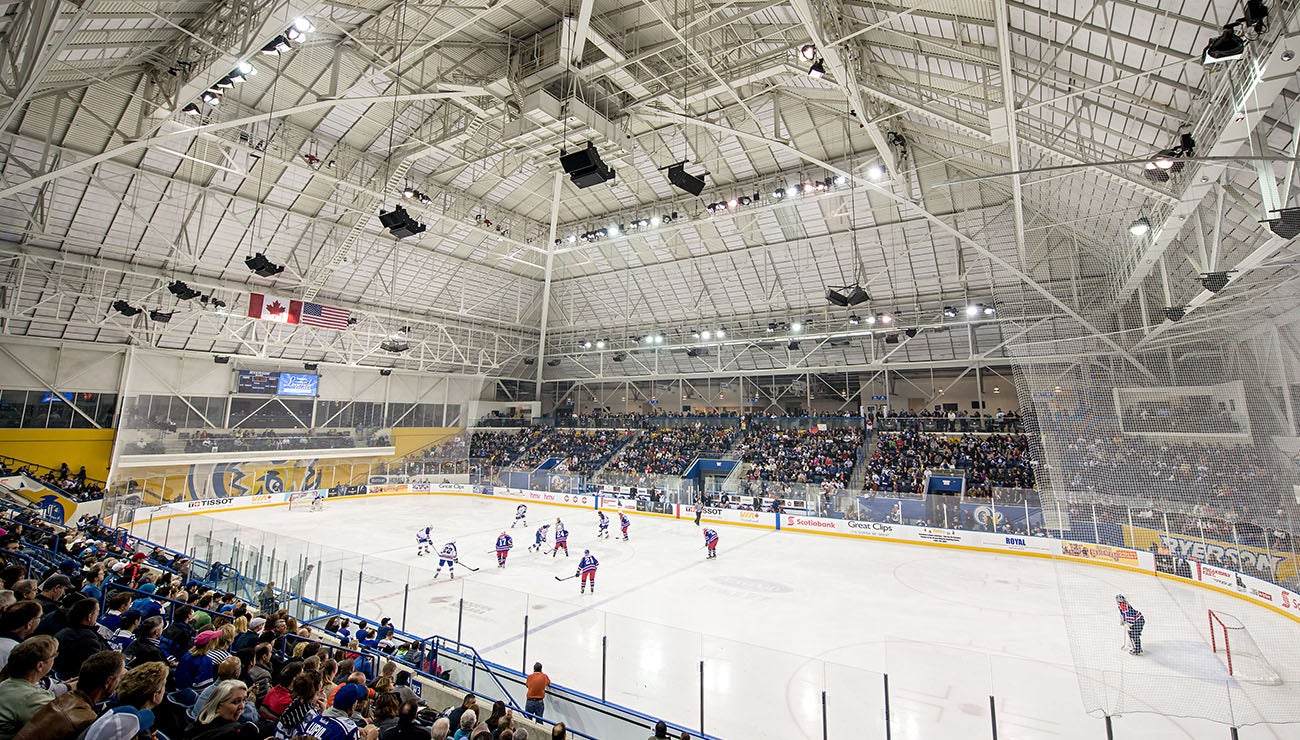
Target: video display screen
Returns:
[258, 382]
[298, 384]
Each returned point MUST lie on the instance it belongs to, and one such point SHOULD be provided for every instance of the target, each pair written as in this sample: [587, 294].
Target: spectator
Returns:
[121, 639]
[220, 716]
[147, 647]
[337, 721]
[661, 730]
[25, 590]
[7, 599]
[17, 623]
[259, 672]
[139, 691]
[66, 716]
[228, 670]
[306, 702]
[521, 733]
[465, 723]
[559, 731]
[406, 727]
[52, 592]
[402, 685]
[385, 710]
[536, 683]
[79, 640]
[279, 697]
[470, 704]
[441, 729]
[117, 602]
[20, 692]
[499, 712]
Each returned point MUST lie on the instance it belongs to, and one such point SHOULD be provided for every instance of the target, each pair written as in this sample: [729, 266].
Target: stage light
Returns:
[910, 332]
[259, 264]
[600, 344]
[585, 167]
[225, 83]
[793, 345]
[989, 310]
[722, 334]
[126, 309]
[875, 172]
[884, 318]
[191, 109]
[619, 356]
[385, 372]
[553, 363]
[795, 189]
[973, 310]
[733, 203]
[655, 221]
[1174, 313]
[211, 98]
[586, 344]
[854, 320]
[808, 52]
[771, 327]
[796, 326]
[613, 230]
[817, 70]
[1226, 47]
[705, 335]
[278, 45]
[949, 312]
[683, 180]
[246, 69]
[841, 180]
[303, 25]
[1214, 281]
[394, 345]
[530, 361]
[779, 193]
[182, 291]
[659, 339]
[162, 317]
[1139, 227]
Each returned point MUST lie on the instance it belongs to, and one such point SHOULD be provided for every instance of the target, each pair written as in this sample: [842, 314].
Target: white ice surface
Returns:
[779, 617]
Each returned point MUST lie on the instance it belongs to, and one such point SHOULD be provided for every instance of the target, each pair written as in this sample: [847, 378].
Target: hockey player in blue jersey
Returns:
[1134, 621]
[521, 516]
[539, 538]
[448, 558]
[587, 569]
[602, 527]
[561, 539]
[424, 541]
[711, 542]
[624, 522]
[504, 543]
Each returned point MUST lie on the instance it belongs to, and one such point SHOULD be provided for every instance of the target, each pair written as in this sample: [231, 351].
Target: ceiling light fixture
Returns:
[1139, 227]
[1214, 281]
[875, 172]
[817, 70]
[808, 51]
[1226, 47]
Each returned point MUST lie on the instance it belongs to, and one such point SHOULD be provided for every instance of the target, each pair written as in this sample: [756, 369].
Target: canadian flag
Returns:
[274, 308]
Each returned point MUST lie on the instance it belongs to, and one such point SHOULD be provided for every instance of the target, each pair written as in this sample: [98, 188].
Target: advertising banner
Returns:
[54, 506]
[1221, 554]
[1100, 553]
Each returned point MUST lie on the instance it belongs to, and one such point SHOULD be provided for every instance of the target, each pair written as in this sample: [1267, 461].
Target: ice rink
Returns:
[780, 617]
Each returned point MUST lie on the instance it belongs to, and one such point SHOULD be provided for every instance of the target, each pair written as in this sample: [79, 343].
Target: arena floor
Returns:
[779, 617]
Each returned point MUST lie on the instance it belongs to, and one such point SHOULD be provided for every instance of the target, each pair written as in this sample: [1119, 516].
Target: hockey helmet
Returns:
[1119, 598]
[586, 552]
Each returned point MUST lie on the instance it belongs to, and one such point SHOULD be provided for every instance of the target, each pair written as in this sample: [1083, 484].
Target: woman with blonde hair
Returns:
[220, 649]
[219, 716]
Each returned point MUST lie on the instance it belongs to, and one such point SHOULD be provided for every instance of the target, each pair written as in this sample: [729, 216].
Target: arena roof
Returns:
[111, 191]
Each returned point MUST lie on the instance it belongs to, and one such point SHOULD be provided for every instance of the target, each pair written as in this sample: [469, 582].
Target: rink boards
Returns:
[1243, 586]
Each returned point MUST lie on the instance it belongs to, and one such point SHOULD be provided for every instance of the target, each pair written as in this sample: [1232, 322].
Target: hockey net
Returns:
[1232, 642]
[301, 500]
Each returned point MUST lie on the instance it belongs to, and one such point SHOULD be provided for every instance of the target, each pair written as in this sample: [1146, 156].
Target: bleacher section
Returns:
[812, 456]
[668, 451]
[900, 460]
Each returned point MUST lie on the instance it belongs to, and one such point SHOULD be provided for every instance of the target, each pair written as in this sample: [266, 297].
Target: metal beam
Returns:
[38, 50]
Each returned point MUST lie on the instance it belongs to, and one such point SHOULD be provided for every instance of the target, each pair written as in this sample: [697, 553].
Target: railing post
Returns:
[604, 648]
[319, 572]
[701, 697]
[338, 603]
[359, 576]
[148, 530]
[888, 730]
[460, 619]
[167, 534]
[186, 549]
[825, 730]
[993, 716]
[1110, 731]
[523, 658]
[406, 595]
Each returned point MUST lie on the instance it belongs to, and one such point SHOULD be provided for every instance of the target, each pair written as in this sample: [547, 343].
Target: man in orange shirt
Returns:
[537, 683]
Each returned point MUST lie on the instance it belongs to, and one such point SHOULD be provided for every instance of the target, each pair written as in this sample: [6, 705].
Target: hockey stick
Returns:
[566, 578]
[467, 567]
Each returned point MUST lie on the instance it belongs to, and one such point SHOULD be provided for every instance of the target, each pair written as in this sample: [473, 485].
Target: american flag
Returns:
[314, 314]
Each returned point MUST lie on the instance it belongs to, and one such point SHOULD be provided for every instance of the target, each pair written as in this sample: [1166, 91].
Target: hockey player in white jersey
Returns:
[521, 516]
[602, 526]
[424, 541]
[539, 538]
[448, 558]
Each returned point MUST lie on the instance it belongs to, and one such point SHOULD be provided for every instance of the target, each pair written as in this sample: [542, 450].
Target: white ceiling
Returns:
[107, 191]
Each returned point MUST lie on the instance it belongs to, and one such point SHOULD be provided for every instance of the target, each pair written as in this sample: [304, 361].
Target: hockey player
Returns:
[624, 523]
[1134, 621]
[711, 542]
[504, 543]
[603, 526]
[448, 558]
[521, 516]
[587, 569]
[539, 539]
[424, 541]
[318, 501]
[561, 539]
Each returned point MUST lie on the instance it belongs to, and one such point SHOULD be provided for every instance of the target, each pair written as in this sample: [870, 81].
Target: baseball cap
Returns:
[120, 723]
[203, 638]
[119, 566]
[256, 623]
[139, 556]
[56, 580]
[348, 695]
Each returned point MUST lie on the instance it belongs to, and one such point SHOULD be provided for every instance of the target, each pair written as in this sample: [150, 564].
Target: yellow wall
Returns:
[411, 439]
[50, 447]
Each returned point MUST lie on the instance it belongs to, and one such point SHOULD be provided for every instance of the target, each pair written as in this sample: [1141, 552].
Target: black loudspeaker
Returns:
[678, 176]
[585, 168]
[1287, 224]
[395, 217]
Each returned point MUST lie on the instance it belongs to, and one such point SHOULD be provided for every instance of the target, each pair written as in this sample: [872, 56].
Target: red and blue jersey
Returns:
[710, 538]
[588, 564]
[1129, 614]
[561, 534]
[623, 521]
[505, 542]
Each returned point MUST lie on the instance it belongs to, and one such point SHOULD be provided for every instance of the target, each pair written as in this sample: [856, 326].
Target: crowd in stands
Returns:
[75, 485]
[579, 451]
[1213, 479]
[101, 641]
[900, 460]
[800, 455]
[667, 451]
[939, 420]
[269, 440]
